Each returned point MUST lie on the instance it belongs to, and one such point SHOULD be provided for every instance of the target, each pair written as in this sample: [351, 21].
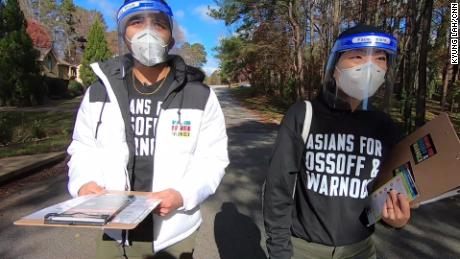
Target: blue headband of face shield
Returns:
[143, 5]
[367, 40]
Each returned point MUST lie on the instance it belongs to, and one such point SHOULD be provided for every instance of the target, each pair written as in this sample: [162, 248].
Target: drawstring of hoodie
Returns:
[100, 115]
[179, 111]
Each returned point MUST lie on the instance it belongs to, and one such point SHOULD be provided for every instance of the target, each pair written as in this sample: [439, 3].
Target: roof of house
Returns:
[43, 53]
[42, 41]
[39, 34]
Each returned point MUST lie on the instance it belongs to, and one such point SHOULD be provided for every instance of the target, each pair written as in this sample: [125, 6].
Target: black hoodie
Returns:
[332, 174]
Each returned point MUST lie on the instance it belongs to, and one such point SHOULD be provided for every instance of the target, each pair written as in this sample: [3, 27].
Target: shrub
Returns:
[37, 130]
[57, 87]
[75, 89]
[6, 129]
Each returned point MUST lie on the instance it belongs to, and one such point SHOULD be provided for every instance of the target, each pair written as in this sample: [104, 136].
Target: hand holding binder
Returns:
[170, 201]
[90, 188]
[391, 201]
[396, 210]
[432, 154]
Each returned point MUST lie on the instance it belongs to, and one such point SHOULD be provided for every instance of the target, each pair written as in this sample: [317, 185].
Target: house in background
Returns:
[50, 64]
[78, 78]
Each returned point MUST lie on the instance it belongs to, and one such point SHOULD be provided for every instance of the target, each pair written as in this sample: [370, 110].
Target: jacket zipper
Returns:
[155, 144]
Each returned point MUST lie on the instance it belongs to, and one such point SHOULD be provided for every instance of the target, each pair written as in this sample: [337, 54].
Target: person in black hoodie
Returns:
[317, 185]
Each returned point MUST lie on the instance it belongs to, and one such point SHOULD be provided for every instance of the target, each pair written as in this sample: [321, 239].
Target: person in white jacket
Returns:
[148, 123]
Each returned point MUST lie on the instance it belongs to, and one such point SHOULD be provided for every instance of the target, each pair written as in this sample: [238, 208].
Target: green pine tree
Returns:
[18, 59]
[96, 49]
[2, 24]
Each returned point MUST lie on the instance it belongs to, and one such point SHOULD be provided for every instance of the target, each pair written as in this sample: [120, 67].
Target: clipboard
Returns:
[433, 154]
[126, 217]
[98, 210]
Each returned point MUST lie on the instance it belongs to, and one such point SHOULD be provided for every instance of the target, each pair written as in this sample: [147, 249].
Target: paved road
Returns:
[233, 217]
[23, 197]
[233, 220]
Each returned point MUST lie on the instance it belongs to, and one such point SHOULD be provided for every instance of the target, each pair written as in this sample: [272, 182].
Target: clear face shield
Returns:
[360, 71]
[146, 32]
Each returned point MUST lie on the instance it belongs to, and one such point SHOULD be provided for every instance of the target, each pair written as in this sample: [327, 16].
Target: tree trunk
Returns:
[298, 54]
[410, 66]
[336, 20]
[407, 110]
[26, 8]
[445, 84]
[397, 18]
[454, 75]
[300, 69]
[422, 65]
[312, 47]
[363, 18]
[376, 17]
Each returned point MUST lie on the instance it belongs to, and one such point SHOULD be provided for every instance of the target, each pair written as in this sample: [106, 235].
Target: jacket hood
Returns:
[183, 71]
[117, 68]
[122, 65]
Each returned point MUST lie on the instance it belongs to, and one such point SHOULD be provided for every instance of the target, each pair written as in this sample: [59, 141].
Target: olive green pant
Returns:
[307, 250]
[110, 249]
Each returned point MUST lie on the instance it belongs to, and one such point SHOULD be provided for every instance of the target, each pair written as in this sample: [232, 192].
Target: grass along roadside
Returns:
[269, 109]
[28, 132]
[272, 110]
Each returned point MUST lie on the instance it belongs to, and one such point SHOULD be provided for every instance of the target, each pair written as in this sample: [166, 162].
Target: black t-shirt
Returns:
[144, 105]
[342, 156]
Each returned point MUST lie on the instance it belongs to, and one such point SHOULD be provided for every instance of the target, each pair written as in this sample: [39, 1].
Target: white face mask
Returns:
[361, 82]
[148, 48]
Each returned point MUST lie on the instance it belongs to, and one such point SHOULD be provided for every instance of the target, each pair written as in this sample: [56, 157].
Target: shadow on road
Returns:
[31, 194]
[433, 232]
[250, 146]
[238, 224]
[237, 236]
